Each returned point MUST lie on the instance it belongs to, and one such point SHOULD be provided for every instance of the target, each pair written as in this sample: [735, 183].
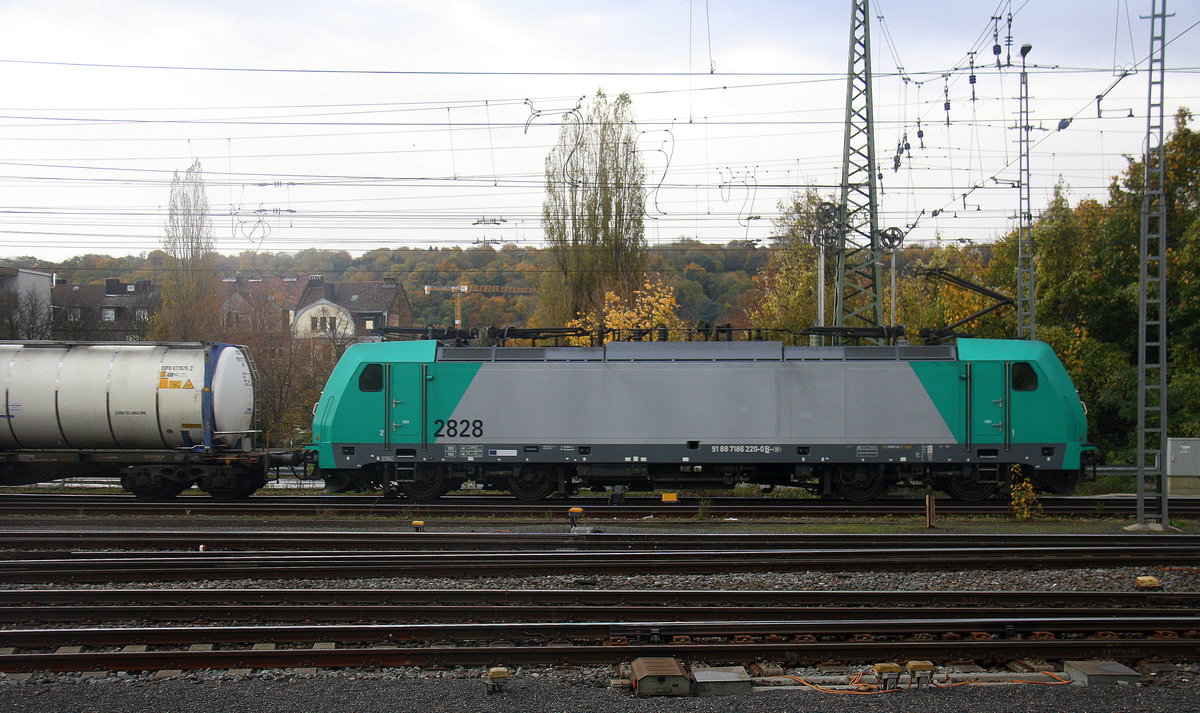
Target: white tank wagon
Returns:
[162, 416]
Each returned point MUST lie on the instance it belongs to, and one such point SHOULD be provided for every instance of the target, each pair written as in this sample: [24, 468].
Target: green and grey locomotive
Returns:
[845, 421]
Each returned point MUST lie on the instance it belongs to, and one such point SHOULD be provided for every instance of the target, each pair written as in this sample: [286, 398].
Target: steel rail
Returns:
[351, 564]
[593, 655]
[485, 612]
[33, 543]
[566, 653]
[465, 598]
[1159, 624]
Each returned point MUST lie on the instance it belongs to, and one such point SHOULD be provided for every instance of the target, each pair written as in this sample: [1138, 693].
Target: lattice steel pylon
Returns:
[1152, 288]
[1026, 284]
[859, 301]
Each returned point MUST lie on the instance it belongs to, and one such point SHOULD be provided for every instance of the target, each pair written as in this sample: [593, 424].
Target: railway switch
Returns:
[575, 513]
[418, 525]
[920, 673]
[496, 679]
[888, 675]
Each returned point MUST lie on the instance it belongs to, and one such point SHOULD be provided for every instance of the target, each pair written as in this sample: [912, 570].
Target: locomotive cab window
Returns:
[371, 378]
[1024, 378]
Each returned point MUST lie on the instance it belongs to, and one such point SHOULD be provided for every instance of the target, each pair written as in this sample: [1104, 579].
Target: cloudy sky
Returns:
[361, 123]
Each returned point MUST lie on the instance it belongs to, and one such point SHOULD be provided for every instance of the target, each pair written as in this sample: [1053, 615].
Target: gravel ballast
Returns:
[529, 694]
[1120, 579]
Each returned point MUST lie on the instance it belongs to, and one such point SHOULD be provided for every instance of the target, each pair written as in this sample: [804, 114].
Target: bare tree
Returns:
[190, 294]
[26, 316]
[593, 211]
[291, 370]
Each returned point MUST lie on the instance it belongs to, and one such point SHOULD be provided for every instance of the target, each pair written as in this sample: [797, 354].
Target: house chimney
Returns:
[112, 286]
[316, 280]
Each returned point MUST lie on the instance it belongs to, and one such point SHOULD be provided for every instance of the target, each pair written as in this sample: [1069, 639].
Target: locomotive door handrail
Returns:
[387, 408]
[969, 413]
[425, 407]
[1006, 394]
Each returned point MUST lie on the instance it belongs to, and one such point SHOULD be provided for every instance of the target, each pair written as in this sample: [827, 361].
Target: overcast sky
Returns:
[428, 123]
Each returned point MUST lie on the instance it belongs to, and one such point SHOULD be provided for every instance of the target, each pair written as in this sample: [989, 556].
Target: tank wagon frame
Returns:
[844, 421]
[162, 416]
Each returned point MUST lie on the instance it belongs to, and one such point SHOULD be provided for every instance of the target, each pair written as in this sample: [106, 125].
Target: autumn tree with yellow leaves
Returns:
[651, 309]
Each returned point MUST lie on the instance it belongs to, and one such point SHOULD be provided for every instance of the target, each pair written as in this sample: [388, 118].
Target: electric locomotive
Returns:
[844, 421]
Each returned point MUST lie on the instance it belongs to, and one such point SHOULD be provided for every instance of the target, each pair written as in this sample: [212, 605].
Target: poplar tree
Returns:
[190, 286]
[593, 212]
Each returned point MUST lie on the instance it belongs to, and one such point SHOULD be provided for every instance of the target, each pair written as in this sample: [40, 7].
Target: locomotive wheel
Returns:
[968, 488]
[531, 485]
[858, 484]
[1059, 482]
[426, 486]
[339, 481]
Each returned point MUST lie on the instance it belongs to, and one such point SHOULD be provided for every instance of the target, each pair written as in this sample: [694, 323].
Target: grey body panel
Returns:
[646, 402]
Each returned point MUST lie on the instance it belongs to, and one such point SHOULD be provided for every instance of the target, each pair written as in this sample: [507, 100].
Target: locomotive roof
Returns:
[963, 349]
[698, 351]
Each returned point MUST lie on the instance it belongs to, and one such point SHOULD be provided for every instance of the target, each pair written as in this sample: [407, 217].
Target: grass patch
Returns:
[1108, 484]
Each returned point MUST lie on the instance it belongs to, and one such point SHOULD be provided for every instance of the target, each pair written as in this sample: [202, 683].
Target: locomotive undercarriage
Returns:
[530, 482]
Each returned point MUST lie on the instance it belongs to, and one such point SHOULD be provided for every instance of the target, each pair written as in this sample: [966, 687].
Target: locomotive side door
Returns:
[988, 407]
[404, 396]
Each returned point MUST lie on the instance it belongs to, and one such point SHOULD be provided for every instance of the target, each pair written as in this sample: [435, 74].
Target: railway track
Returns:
[491, 507]
[505, 554]
[81, 543]
[125, 606]
[862, 634]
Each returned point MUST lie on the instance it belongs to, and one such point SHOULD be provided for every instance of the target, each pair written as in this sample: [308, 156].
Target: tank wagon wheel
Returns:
[858, 484]
[225, 484]
[251, 486]
[531, 485]
[163, 491]
[426, 486]
[152, 483]
[967, 487]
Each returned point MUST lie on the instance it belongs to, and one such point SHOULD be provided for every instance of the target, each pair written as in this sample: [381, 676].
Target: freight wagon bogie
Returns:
[847, 422]
[164, 481]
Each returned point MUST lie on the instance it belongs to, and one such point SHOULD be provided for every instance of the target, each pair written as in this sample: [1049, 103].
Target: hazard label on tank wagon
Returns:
[172, 379]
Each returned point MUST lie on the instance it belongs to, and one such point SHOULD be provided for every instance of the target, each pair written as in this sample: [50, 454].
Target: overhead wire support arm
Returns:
[948, 331]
